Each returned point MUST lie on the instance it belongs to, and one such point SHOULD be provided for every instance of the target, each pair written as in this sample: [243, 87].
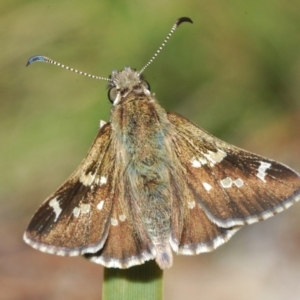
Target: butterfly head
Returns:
[126, 82]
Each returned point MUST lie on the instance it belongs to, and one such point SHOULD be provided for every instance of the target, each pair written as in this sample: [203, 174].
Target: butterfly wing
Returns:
[220, 189]
[232, 186]
[88, 213]
[73, 219]
[125, 245]
[192, 231]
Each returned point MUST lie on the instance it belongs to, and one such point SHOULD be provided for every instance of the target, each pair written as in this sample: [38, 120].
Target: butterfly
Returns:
[154, 183]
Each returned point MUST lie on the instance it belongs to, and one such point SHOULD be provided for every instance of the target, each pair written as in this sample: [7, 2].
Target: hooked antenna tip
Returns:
[35, 58]
[183, 19]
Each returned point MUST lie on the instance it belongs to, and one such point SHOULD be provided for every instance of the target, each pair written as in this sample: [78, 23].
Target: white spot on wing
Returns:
[122, 218]
[76, 212]
[103, 180]
[215, 157]
[100, 180]
[198, 162]
[100, 205]
[85, 208]
[56, 208]
[261, 174]
[87, 179]
[191, 204]
[114, 222]
[195, 163]
[226, 182]
[207, 186]
[238, 182]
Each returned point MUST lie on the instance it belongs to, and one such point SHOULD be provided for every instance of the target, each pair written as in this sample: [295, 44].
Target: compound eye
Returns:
[112, 94]
[146, 85]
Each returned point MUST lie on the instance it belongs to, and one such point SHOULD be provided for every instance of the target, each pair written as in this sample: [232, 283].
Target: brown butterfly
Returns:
[154, 182]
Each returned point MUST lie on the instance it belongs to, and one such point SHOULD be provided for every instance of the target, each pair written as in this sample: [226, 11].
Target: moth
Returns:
[154, 183]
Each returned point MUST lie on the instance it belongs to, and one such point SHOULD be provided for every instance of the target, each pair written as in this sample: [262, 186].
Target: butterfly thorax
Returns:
[140, 130]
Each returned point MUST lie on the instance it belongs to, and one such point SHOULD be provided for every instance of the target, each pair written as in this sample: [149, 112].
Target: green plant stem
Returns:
[144, 282]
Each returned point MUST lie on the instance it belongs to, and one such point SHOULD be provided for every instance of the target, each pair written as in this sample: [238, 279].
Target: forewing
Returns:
[233, 187]
[75, 219]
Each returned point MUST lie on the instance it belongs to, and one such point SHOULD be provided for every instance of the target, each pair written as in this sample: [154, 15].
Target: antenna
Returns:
[174, 27]
[41, 58]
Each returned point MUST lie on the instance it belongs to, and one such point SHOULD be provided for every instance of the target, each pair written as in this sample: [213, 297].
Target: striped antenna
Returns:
[41, 58]
[175, 26]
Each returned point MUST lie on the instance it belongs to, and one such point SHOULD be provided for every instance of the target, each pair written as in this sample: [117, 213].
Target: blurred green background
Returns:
[235, 72]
